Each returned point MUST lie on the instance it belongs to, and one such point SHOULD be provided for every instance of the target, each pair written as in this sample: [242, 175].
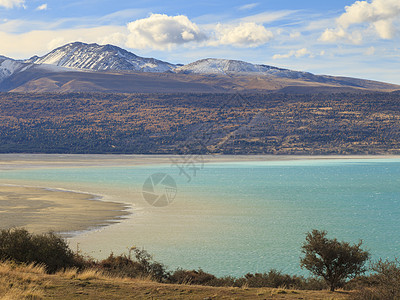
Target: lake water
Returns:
[238, 217]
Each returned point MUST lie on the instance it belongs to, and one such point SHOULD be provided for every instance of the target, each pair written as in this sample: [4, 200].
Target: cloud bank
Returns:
[11, 3]
[162, 31]
[156, 32]
[294, 53]
[381, 16]
[39, 42]
[247, 34]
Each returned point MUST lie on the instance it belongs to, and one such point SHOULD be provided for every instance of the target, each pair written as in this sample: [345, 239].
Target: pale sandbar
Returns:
[41, 210]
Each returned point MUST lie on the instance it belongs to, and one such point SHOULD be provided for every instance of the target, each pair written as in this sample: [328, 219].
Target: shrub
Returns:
[49, 249]
[276, 279]
[199, 277]
[312, 283]
[384, 284]
[143, 266]
[273, 279]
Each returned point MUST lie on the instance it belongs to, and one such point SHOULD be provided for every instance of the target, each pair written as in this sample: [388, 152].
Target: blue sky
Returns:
[349, 38]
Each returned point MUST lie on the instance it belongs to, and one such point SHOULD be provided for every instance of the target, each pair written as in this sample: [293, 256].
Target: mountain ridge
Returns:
[98, 68]
[96, 57]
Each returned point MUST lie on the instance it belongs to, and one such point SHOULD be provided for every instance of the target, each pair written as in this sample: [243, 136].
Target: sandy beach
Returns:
[41, 210]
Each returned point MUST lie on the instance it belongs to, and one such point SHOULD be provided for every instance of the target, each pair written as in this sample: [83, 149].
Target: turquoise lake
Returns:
[233, 218]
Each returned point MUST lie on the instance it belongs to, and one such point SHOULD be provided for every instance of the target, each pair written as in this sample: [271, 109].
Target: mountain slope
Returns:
[237, 67]
[100, 58]
[212, 66]
[107, 68]
[9, 66]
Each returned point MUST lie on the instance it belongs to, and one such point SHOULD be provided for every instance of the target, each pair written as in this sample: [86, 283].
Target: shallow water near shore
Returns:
[237, 217]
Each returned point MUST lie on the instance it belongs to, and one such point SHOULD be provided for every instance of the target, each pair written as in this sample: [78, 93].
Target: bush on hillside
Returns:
[142, 266]
[276, 279]
[384, 284]
[199, 277]
[48, 249]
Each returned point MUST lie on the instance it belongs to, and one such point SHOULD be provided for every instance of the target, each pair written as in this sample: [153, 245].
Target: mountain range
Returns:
[80, 67]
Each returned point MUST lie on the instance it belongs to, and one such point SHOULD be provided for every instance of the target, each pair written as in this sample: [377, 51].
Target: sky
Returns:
[334, 37]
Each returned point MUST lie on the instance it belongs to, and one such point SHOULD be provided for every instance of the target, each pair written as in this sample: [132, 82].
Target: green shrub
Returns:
[48, 249]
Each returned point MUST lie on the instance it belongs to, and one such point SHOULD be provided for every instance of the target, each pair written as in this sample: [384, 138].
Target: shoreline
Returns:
[28, 161]
[67, 212]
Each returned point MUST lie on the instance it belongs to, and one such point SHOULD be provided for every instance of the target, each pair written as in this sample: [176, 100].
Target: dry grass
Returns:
[68, 273]
[32, 282]
[29, 293]
[88, 274]
[19, 281]
[92, 274]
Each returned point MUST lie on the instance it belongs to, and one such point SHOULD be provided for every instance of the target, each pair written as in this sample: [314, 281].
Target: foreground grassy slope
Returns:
[28, 282]
[200, 123]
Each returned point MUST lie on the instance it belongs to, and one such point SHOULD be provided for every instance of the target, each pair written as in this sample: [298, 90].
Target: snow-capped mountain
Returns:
[237, 67]
[94, 57]
[98, 68]
[9, 66]
[100, 58]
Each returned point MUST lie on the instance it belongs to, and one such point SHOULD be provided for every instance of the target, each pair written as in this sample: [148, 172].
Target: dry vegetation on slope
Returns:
[203, 123]
[42, 266]
[29, 282]
[38, 80]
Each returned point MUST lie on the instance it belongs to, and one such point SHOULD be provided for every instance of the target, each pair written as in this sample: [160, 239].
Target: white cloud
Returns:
[42, 7]
[117, 39]
[243, 35]
[55, 43]
[157, 32]
[334, 35]
[39, 42]
[268, 17]
[162, 31]
[380, 15]
[370, 51]
[295, 35]
[248, 6]
[363, 11]
[294, 53]
[384, 28]
[12, 3]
